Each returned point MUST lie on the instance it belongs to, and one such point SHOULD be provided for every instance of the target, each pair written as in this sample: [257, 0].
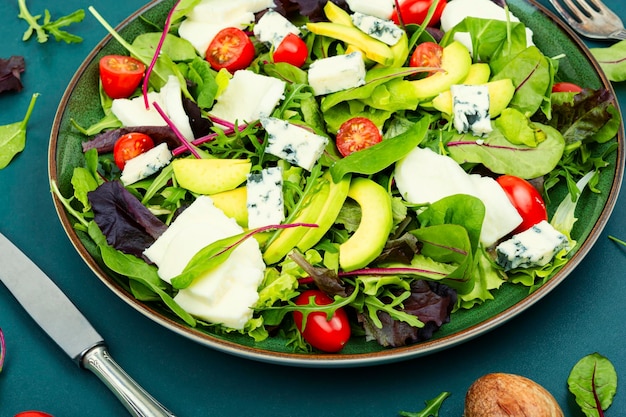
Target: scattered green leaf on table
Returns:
[612, 60]
[593, 381]
[432, 407]
[49, 26]
[13, 136]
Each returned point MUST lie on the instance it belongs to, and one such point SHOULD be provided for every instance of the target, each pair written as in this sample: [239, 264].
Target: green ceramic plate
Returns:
[81, 102]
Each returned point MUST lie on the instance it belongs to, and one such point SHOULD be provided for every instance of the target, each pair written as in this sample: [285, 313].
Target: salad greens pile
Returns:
[433, 262]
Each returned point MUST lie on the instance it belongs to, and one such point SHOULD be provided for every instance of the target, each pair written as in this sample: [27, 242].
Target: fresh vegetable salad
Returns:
[325, 172]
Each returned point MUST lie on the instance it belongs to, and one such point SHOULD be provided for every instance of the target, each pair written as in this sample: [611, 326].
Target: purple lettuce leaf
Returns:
[10, 70]
[313, 9]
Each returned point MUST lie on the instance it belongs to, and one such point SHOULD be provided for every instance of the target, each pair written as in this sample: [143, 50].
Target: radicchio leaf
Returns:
[104, 142]
[431, 302]
[127, 224]
[10, 70]
[325, 279]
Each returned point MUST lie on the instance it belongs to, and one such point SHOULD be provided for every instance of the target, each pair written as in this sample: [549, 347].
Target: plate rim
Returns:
[344, 360]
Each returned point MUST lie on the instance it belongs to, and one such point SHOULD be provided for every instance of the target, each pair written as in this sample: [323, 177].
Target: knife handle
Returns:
[136, 400]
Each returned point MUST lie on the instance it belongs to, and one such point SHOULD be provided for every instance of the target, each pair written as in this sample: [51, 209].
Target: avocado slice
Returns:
[327, 215]
[479, 73]
[370, 237]
[455, 63]
[500, 95]
[233, 204]
[336, 14]
[211, 176]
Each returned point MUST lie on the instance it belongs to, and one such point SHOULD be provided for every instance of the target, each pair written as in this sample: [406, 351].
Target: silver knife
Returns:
[62, 321]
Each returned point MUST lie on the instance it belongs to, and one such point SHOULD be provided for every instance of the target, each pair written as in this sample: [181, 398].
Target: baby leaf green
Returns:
[593, 381]
[13, 136]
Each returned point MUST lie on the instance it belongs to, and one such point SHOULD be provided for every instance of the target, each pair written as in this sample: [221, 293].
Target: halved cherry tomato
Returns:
[120, 75]
[129, 146]
[415, 11]
[356, 134]
[291, 50]
[32, 414]
[427, 54]
[230, 49]
[526, 199]
[321, 333]
[565, 87]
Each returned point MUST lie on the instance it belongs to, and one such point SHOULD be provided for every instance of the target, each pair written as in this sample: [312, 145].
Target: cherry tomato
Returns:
[32, 414]
[120, 75]
[415, 11]
[230, 49]
[565, 87]
[427, 54]
[291, 50]
[526, 200]
[356, 134]
[321, 333]
[129, 146]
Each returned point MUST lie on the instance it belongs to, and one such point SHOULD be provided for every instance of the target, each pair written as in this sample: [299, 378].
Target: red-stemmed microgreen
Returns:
[2, 350]
[179, 135]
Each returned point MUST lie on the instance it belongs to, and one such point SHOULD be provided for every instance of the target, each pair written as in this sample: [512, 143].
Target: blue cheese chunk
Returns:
[380, 29]
[294, 144]
[272, 28]
[470, 105]
[146, 164]
[265, 202]
[336, 73]
[533, 247]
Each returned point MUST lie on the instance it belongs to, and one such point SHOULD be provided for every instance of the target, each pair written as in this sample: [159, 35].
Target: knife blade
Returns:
[65, 324]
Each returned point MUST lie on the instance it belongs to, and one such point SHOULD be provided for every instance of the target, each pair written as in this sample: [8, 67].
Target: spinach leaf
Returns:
[199, 72]
[13, 136]
[593, 381]
[177, 49]
[612, 60]
[380, 156]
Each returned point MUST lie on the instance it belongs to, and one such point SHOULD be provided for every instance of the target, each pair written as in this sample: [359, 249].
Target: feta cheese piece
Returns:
[172, 96]
[226, 293]
[265, 202]
[272, 28]
[248, 97]
[470, 105]
[146, 164]
[383, 30]
[533, 247]
[294, 144]
[424, 176]
[336, 73]
[132, 111]
[382, 9]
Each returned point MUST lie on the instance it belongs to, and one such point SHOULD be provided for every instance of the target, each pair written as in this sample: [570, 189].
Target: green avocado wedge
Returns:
[369, 239]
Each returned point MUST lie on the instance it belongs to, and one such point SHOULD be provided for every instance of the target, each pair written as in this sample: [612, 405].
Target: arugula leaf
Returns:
[49, 26]
[13, 136]
[432, 407]
[593, 381]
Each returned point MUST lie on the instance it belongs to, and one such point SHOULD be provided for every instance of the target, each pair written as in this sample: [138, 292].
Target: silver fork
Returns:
[591, 18]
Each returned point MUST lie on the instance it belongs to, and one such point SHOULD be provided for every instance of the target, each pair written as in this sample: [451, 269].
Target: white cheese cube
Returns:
[294, 144]
[132, 111]
[383, 30]
[336, 73]
[470, 105]
[533, 247]
[248, 97]
[272, 28]
[226, 293]
[265, 202]
[200, 33]
[382, 9]
[146, 164]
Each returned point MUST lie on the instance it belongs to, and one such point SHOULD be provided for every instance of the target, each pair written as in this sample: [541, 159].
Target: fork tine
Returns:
[575, 10]
[604, 9]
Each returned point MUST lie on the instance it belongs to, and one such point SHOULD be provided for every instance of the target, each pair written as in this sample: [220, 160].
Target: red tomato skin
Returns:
[33, 414]
[292, 50]
[129, 146]
[356, 134]
[231, 49]
[323, 334]
[415, 11]
[427, 54]
[120, 75]
[526, 199]
[565, 87]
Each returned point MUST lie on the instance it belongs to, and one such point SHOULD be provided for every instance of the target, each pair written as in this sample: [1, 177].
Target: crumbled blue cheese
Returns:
[470, 105]
[383, 30]
[380, 8]
[272, 28]
[336, 73]
[248, 97]
[265, 202]
[533, 247]
[294, 144]
[146, 164]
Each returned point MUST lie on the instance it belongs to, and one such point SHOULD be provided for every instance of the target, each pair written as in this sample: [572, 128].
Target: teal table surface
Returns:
[584, 314]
